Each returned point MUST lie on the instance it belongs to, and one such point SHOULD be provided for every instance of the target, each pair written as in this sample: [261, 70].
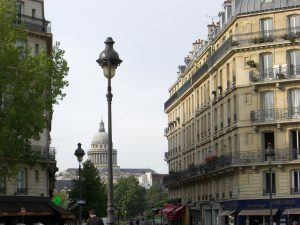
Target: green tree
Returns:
[93, 191]
[29, 86]
[129, 196]
[156, 196]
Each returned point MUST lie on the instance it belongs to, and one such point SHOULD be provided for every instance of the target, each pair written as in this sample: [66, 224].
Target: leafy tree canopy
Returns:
[29, 86]
[129, 196]
[93, 191]
[156, 197]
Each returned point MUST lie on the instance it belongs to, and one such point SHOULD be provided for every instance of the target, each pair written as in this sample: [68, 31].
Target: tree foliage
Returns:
[29, 86]
[61, 198]
[93, 191]
[129, 196]
[156, 197]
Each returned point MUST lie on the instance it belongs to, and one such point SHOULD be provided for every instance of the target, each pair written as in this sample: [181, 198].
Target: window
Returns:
[267, 66]
[267, 105]
[36, 175]
[294, 24]
[228, 112]
[267, 27]
[295, 182]
[294, 103]
[294, 62]
[2, 185]
[33, 13]
[20, 7]
[36, 49]
[21, 181]
[267, 183]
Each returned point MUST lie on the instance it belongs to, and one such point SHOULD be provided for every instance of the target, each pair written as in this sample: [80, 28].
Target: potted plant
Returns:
[251, 63]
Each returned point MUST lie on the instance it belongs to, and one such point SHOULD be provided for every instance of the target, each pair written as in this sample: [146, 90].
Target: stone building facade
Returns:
[33, 185]
[238, 92]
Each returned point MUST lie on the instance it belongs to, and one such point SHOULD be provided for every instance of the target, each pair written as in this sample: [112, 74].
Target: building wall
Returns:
[38, 177]
[214, 118]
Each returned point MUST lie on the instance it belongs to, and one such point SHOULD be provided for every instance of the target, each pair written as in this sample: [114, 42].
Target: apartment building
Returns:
[237, 95]
[28, 194]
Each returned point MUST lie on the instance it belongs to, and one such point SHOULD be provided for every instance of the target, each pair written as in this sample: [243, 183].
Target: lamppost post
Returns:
[211, 199]
[153, 218]
[79, 153]
[109, 60]
[270, 153]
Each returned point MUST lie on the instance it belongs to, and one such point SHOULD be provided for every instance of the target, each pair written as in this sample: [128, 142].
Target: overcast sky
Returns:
[152, 38]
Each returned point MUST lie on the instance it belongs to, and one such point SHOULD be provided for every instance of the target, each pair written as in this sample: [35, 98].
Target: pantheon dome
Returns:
[98, 154]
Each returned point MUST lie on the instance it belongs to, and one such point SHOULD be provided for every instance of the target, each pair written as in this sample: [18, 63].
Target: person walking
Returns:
[94, 220]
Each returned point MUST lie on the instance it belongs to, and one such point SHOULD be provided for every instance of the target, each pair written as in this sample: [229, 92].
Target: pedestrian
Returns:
[94, 220]
[137, 221]
[295, 222]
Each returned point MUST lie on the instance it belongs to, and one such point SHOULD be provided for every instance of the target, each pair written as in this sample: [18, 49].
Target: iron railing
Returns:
[2, 190]
[266, 191]
[35, 24]
[266, 36]
[22, 190]
[279, 72]
[273, 115]
[242, 158]
[295, 190]
[44, 152]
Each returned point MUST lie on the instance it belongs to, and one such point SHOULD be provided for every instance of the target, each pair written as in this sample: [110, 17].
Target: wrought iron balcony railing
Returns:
[274, 115]
[266, 36]
[22, 190]
[44, 152]
[2, 190]
[227, 160]
[35, 24]
[278, 72]
[266, 191]
[295, 190]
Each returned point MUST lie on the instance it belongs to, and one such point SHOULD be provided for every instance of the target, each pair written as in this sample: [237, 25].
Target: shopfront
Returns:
[257, 212]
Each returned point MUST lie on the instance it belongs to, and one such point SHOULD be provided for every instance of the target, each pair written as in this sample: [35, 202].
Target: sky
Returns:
[152, 38]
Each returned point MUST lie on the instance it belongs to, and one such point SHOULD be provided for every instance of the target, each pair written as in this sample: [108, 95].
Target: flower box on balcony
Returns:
[210, 158]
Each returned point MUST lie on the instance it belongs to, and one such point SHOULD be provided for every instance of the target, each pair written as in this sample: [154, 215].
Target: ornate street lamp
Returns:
[79, 153]
[109, 61]
[270, 153]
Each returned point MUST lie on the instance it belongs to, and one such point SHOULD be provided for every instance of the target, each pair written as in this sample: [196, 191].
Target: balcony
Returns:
[275, 35]
[166, 156]
[295, 190]
[267, 191]
[35, 24]
[44, 152]
[2, 190]
[245, 158]
[275, 115]
[22, 191]
[279, 72]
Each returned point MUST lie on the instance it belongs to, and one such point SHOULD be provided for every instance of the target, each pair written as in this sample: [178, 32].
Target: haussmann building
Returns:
[236, 100]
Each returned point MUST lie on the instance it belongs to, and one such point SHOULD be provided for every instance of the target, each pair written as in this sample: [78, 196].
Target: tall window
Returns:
[294, 103]
[267, 66]
[21, 181]
[267, 105]
[267, 183]
[228, 112]
[296, 181]
[294, 62]
[2, 185]
[267, 27]
[294, 24]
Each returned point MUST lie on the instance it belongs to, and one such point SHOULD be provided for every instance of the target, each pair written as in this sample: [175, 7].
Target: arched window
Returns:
[294, 62]
[267, 66]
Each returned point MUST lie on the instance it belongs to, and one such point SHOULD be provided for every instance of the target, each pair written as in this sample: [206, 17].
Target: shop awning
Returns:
[226, 213]
[257, 212]
[178, 209]
[293, 211]
[167, 210]
[34, 205]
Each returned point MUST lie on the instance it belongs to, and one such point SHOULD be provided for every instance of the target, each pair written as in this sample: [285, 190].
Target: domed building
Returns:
[98, 154]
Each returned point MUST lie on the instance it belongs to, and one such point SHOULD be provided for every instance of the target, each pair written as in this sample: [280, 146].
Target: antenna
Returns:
[212, 18]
